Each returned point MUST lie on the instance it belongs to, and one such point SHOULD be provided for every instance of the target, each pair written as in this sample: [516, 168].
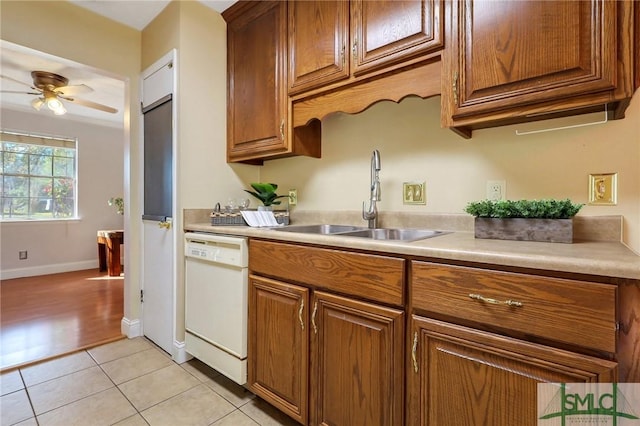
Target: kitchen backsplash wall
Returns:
[413, 147]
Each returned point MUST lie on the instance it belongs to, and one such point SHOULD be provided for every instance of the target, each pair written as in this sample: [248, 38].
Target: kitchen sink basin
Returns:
[388, 234]
[319, 229]
[394, 234]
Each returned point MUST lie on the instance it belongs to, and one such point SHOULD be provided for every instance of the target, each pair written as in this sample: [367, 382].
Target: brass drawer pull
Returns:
[494, 301]
[313, 317]
[300, 314]
[455, 88]
[413, 351]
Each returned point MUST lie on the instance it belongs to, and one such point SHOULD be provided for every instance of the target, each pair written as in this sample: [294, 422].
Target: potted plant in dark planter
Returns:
[526, 220]
[266, 192]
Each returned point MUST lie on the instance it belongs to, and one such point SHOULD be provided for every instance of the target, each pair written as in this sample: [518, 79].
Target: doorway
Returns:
[56, 247]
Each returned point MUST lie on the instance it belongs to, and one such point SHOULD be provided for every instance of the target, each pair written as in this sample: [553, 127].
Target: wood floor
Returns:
[49, 315]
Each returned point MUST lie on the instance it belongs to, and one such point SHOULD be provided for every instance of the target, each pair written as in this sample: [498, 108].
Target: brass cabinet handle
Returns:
[282, 130]
[300, 314]
[495, 301]
[413, 351]
[455, 88]
[313, 317]
[164, 224]
[354, 49]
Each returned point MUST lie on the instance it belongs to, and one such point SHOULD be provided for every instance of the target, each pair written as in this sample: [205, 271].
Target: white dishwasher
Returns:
[216, 287]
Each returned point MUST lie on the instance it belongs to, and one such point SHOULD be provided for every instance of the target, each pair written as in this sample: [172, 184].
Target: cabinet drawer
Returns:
[376, 278]
[573, 312]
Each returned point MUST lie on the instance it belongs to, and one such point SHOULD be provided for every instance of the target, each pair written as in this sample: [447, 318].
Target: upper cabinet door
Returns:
[387, 32]
[318, 43]
[257, 107]
[510, 53]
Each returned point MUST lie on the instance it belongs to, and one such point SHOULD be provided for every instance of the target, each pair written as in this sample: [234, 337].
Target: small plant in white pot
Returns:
[266, 192]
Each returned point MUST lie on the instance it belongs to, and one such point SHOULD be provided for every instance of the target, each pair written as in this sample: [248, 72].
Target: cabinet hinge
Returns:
[141, 296]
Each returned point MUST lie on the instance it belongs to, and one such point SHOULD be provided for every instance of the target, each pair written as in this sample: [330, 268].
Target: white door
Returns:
[158, 250]
[158, 297]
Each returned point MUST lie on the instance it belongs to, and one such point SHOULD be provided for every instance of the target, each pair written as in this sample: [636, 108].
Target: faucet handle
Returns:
[366, 215]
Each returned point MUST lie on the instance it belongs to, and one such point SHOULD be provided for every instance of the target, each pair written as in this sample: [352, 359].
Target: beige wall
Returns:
[205, 177]
[413, 147]
[68, 31]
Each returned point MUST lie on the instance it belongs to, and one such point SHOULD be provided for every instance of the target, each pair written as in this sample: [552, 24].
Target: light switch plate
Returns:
[414, 193]
[603, 189]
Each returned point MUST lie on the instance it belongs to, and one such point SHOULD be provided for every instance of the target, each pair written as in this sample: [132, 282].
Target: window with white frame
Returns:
[39, 177]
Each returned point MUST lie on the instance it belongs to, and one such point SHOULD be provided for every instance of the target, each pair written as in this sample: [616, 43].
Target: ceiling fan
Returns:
[52, 89]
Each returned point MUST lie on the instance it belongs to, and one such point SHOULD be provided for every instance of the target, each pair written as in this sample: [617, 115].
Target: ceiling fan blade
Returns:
[90, 104]
[19, 82]
[21, 93]
[73, 90]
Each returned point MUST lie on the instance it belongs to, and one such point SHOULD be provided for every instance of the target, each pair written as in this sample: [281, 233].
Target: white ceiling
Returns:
[138, 13]
[17, 62]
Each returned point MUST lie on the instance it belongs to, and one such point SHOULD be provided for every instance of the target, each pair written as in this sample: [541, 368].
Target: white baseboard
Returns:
[33, 271]
[131, 328]
[180, 353]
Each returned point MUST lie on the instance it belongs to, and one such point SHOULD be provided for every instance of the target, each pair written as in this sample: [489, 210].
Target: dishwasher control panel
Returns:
[216, 248]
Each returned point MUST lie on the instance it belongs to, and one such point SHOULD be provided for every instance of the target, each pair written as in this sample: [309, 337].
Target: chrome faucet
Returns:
[371, 214]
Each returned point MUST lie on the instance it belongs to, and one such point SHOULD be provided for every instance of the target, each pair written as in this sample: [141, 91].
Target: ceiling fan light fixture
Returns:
[52, 89]
[54, 104]
[37, 103]
[61, 110]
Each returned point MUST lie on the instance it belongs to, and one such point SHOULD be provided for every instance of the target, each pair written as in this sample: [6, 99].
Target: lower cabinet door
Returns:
[278, 345]
[357, 363]
[458, 376]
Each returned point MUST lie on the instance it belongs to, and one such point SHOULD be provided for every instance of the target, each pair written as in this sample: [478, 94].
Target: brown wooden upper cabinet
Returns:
[332, 41]
[258, 118]
[513, 59]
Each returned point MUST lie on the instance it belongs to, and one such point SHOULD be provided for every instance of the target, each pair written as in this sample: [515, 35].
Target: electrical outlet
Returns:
[496, 190]
[22, 255]
[293, 197]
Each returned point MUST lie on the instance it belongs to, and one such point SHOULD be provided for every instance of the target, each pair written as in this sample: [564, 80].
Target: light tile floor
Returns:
[128, 383]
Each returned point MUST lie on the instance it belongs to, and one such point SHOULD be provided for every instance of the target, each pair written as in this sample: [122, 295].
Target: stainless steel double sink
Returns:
[386, 234]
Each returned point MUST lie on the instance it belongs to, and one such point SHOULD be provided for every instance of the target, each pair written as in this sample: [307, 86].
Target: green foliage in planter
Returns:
[118, 202]
[266, 192]
[540, 209]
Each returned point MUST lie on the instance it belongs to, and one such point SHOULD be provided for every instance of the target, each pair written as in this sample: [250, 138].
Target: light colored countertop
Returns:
[601, 258]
